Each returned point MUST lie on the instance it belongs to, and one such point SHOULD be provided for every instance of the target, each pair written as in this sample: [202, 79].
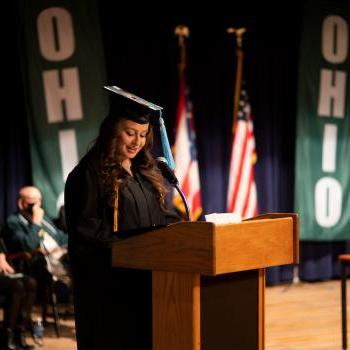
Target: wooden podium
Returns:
[209, 280]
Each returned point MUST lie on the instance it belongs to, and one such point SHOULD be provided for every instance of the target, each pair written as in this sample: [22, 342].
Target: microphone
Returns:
[166, 171]
[169, 174]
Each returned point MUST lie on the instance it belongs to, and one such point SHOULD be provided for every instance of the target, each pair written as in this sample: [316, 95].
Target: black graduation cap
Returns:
[124, 104]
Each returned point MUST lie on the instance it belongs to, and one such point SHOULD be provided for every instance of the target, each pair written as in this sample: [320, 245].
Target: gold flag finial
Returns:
[239, 34]
[182, 32]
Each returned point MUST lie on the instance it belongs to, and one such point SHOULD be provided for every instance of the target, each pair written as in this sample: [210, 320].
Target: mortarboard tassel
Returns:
[116, 202]
[165, 143]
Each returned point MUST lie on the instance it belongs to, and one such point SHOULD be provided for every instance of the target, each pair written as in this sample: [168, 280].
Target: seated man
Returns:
[30, 230]
[19, 292]
[29, 227]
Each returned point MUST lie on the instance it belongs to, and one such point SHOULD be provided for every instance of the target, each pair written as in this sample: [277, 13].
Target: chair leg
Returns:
[343, 305]
[55, 313]
[44, 302]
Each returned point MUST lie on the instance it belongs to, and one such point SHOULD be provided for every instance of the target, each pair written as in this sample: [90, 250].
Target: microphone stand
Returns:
[168, 174]
[188, 215]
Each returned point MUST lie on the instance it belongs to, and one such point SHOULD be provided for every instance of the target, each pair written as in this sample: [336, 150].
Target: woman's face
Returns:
[132, 138]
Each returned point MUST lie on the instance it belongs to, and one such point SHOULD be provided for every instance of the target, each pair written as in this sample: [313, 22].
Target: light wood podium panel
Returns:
[209, 280]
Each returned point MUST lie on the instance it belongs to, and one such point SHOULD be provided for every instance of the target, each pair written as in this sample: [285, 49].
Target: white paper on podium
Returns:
[223, 218]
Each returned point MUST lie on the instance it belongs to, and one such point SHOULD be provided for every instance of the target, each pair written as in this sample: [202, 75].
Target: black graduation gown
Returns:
[113, 307]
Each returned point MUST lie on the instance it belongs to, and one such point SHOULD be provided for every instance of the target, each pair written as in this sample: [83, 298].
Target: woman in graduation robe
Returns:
[116, 187]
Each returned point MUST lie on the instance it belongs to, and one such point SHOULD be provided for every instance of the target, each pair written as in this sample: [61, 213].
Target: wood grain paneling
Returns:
[186, 246]
[296, 225]
[261, 308]
[210, 249]
[229, 311]
[176, 311]
[254, 244]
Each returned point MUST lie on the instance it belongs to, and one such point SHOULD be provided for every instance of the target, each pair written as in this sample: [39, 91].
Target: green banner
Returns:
[64, 71]
[322, 184]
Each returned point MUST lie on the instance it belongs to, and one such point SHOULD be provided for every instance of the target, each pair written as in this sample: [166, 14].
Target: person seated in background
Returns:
[19, 292]
[30, 230]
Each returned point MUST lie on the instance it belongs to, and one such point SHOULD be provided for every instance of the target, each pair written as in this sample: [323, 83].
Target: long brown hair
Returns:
[111, 171]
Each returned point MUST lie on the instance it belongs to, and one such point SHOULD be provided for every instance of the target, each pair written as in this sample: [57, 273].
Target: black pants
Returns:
[36, 269]
[20, 296]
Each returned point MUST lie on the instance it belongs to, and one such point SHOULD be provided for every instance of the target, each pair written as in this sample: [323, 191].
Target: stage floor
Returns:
[304, 316]
[301, 316]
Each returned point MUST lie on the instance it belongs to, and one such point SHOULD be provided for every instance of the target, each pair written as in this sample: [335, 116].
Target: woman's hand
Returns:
[4, 266]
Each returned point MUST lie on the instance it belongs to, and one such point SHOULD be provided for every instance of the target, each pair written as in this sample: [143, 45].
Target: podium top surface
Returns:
[209, 249]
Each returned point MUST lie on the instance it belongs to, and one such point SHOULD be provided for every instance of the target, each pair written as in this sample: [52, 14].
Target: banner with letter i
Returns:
[322, 183]
[63, 73]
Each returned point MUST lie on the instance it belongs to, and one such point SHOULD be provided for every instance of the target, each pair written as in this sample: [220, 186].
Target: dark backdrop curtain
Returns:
[14, 144]
[141, 55]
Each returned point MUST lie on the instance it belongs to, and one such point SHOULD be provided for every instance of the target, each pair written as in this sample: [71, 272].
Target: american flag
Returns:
[241, 194]
[186, 163]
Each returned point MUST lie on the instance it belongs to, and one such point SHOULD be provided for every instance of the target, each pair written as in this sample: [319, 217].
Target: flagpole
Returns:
[239, 68]
[182, 32]
[241, 191]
